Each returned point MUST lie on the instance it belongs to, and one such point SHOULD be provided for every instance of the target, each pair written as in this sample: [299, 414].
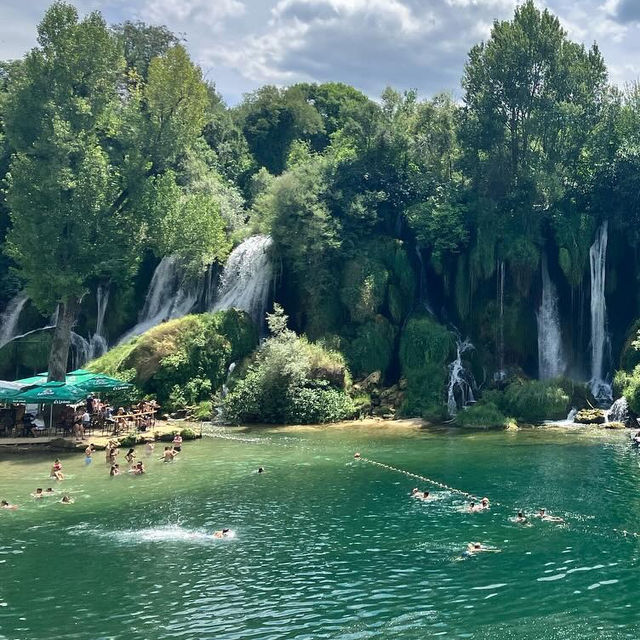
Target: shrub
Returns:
[371, 349]
[482, 414]
[188, 434]
[290, 380]
[629, 385]
[425, 347]
[182, 361]
[532, 400]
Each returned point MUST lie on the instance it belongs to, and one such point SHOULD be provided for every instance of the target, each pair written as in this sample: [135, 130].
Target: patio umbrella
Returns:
[83, 379]
[7, 394]
[50, 393]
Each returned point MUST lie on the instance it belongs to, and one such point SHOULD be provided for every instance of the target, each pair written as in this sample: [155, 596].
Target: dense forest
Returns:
[388, 230]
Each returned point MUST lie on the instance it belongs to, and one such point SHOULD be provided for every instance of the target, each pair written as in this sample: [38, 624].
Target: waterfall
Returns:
[423, 292]
[98, 343]
[80, 351]
[168, 297]
[500, 296]
[246, 278]
[551, 362]
[600, 388]
[460, 380]
[9, 318]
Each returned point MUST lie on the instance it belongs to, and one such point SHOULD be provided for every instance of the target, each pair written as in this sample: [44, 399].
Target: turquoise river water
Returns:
[327, 546]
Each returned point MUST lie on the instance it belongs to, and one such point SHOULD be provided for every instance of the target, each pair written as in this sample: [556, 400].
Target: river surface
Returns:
[327, 546]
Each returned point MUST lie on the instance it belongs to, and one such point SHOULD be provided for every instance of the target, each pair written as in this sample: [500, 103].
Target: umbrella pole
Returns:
[50, 416]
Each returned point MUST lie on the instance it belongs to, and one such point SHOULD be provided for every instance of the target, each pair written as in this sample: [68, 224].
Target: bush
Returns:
[290, 380]
[482, 414]
[629, 385]
[188, 434]
[371, 349]
[182, 361]
[425, 347]
[532, 400]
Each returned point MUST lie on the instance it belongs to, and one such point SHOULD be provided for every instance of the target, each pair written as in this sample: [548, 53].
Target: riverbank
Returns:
[162, 430]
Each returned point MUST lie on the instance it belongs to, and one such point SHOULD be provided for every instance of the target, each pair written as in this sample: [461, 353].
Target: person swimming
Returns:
[477, 547]
[414, 492]
[49, 492]
[5, 505]
[131, 456]
[223, 533]
[138, 470]
[543, 515]
[423, 495]
[520, 518]
[66, 500]
[356, 455]
[260, 469]
[115, 470]
[56, 470]
[168, 454]
[484, 503]
[38, 493]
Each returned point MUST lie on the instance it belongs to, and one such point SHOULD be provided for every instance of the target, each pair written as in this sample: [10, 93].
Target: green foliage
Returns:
[425, 347]
[290, 380]
[369, 347]
[182, 361]
[629, 385]
[532, 400]
[482, 414]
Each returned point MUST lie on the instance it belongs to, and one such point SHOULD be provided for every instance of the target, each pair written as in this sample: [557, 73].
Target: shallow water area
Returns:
[327, 546]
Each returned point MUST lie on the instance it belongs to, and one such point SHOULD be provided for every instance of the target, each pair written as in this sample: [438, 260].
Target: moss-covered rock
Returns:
[590, 416]
[425, 348]
[483, 415]
[364, 284]
[182, 361]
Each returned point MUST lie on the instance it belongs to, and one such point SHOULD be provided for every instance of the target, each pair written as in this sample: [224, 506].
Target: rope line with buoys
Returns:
[623, 532]
[466, 494]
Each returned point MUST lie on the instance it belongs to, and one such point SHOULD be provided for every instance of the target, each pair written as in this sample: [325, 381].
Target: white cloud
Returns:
[207, 12]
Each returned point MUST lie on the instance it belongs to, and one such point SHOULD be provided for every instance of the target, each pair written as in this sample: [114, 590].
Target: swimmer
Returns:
[415, 492]
[149, 447]
[56, 470]
[5, 505]
[484, 503]
[168, 455]
[130, 457]
[356, 455]
[138, 470]
[66, 500]
[49, 492]
[115, 470]
[423, 495]
[477, 547]
[177, 443]
[260, 469]
[38, 493]
[223, 533]
[520, 518]
[543, 515]
[88, 453]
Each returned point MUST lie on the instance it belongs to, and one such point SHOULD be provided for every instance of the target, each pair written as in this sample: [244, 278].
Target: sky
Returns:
[370, 44]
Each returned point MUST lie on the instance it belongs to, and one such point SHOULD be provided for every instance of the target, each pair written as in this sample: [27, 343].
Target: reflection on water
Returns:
[328, 546]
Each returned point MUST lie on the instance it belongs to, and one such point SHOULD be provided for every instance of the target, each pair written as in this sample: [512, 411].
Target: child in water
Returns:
[38, 493]
[138, 470]
[67, 500]
[115, 470]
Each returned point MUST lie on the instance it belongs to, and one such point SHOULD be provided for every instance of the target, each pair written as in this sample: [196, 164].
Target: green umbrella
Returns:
[7, 394]
[51, 393]
[83, 379]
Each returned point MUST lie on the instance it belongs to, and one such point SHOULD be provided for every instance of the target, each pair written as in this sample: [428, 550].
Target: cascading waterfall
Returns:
[80, 351]
[246, 278]
[551, 361]
[167, 298]
[600, 387]
[10, 317]
[500, 296]
[98, 343]
[460, 389]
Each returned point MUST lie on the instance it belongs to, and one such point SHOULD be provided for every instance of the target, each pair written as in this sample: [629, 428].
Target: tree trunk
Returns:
[59, 354]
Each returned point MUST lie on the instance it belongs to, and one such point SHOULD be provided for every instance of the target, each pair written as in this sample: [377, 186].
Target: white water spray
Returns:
[551, 361]
[246, 278]
[167, 298]
[460, 390]
[98, 344]
[10, 317]
[600, 387]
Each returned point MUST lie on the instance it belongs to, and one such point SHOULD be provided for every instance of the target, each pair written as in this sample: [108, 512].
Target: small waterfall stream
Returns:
[167, 297]
[246, 278]
[98, 344]
[600, 387]
[10, 317]
[551, 360]
[460, 388]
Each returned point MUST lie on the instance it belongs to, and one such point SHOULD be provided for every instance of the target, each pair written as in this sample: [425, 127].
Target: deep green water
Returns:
[328, 547]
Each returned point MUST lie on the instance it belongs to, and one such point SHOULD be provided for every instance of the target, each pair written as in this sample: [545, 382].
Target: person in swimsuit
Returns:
[177, 443]
[88, 452]
[415, 492]
[56, 470]
[543, 515]
[223, 533]
[67, 500]
[49, 492]
[38, 494]
[168, 455]
[138, 470]
[484, 503]
[115, 470]
[356, 455]
[477, 547]
[520, 518]
[130, 457]
[5, 505]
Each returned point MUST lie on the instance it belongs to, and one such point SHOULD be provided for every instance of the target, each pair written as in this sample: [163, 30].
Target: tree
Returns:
[85, 158]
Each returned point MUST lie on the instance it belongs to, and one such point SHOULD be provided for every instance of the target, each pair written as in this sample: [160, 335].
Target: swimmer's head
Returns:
[39, 490]
[260, 470]
[477, 545]
[356, 455]
[49, 490]
[414, 490]
[520, 514]
[4, 503]
[425, 494]
[226, 530]
[472, 504]
[485, 502]
[542, 512]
